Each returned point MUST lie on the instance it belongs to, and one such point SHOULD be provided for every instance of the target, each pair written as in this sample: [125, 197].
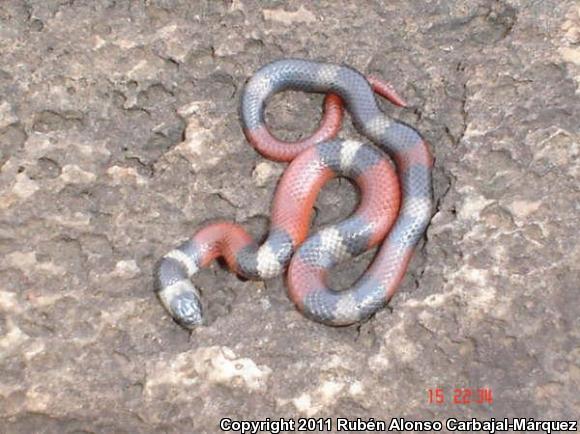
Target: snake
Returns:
[394, 209]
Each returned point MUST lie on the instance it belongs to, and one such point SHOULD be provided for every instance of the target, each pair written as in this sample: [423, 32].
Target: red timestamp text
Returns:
[461, 396]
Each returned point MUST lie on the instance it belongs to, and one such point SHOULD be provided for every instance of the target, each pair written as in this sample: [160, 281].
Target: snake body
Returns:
[395, 208]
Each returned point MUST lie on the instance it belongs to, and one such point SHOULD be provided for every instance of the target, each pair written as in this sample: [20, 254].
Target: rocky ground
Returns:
[119, 136]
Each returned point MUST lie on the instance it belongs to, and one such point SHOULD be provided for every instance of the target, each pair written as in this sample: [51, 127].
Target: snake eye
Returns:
[186, 310]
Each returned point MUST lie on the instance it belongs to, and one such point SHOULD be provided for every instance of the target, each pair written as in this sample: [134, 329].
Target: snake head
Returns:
[182, 301]
[186, 310]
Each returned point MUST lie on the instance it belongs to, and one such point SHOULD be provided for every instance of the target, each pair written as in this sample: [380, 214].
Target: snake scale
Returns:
[394, 209]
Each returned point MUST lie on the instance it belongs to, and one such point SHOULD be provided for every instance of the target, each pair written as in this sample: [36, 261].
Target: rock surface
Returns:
[119, 136]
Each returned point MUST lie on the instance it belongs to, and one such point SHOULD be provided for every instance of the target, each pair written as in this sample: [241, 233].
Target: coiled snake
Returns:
[395, 208]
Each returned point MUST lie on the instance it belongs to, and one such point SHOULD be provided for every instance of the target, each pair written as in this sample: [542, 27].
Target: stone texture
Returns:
[119, 136]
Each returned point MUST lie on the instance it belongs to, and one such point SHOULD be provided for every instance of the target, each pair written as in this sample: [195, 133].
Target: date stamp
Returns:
[461, 396]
